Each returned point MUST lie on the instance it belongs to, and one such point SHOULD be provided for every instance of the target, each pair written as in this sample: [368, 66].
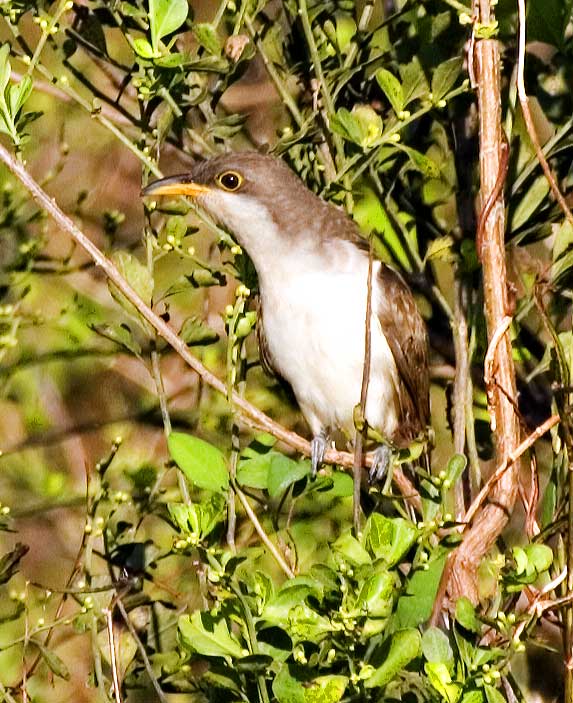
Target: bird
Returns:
[312, 265]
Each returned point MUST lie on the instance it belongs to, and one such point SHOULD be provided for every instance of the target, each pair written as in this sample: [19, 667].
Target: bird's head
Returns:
[252, 195]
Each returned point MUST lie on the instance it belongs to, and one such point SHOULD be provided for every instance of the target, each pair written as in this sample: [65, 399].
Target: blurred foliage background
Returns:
[132, 586]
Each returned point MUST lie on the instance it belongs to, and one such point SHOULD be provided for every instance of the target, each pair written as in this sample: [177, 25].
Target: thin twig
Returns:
[112, 654]
[529, 124]
[362, 433]
[488, 365]
[512, 458]
[141, 648]
[278, 557]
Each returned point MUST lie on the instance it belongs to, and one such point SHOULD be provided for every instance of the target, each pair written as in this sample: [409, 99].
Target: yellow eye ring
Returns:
[230, 180]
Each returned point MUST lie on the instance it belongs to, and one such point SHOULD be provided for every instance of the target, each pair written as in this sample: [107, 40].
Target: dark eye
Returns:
[230, 180]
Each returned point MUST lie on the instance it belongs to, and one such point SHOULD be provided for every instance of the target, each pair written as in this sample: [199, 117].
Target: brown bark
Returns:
[490, 521]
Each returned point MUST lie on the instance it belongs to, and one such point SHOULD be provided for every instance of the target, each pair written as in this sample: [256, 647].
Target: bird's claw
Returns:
[380, 464]
[317, 449]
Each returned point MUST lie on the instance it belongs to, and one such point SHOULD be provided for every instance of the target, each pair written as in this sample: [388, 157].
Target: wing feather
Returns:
[406, 334]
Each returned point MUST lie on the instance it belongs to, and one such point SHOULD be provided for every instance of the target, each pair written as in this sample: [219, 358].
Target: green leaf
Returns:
[389, 538]
[195, 332]
[493, 695]
[351, 549]
[455, 468]
[201, 633]
[286, 688]
[441, 680]
[254, 472]
[426, 166]
[445, 77]
[138, 277]
[283, 472]
[441, 249]
[392, 89]
[530, 201]
[376, 595]
[19, 93]
[345, 30]
[342, 485]
[363, 125]
[415, 605]
[473, 697]
[53, 661]
[207, 37]
[405, 647]
[371, 216]
[539, 556]
[5, 67]
[466, 615]
[165, 16]
[325, 689]
[414, 83]
[143, 48]
[436, 647]
[201, 462]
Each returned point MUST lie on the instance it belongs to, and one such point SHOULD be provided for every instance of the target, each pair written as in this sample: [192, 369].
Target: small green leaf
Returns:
[201, 462]
[389, 538]
[195, 332]
[325, 689]
[143, 48]
[539, 556]
[445, 77]
[466, 615]
[201, 633]
[414, 83]
[286, 688]
[19, 93]
[405, 647]
[532, 199]
[493, 695]
[345, 30]
[165, 16]
[342, 485]
[455, 468]
[283, 472]
[392, 89]
[376, 595]
[423, 164]
[351, 549]
[441, 680]
[138, 277]
[415, 606]
[207, 37]
[5, 67]
[436, 647]
[53, 661]
[441, 249]
[254, 472]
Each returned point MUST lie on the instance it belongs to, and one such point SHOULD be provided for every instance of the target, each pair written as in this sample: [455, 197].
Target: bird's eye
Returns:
[230, 180]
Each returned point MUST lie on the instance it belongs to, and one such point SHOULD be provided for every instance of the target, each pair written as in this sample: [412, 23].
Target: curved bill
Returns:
[175, 185]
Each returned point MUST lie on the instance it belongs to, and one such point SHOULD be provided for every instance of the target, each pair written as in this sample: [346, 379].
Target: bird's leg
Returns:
[318, 446]
[382, 460]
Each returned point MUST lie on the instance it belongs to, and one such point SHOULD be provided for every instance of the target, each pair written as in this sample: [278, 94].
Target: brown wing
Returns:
[264, 352]
[405, 331]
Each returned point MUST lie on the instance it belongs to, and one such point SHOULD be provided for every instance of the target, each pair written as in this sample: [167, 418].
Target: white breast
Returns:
[314, 320]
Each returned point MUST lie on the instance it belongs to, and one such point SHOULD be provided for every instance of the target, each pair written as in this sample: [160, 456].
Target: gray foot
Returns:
[317, 448]
[380, 465]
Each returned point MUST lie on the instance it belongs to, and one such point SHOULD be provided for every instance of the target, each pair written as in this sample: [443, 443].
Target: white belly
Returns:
[314, 327]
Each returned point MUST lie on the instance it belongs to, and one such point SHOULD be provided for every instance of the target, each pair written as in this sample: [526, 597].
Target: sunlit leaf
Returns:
[203, 464]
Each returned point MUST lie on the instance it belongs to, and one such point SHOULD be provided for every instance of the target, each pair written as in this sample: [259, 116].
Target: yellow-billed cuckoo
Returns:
[312, 266]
